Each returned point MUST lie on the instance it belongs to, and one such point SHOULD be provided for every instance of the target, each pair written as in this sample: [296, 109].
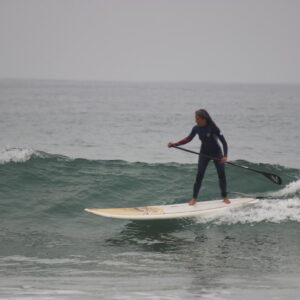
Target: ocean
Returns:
[68, 145]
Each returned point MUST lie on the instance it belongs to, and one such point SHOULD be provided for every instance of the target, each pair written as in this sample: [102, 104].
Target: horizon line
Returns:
[150, 81]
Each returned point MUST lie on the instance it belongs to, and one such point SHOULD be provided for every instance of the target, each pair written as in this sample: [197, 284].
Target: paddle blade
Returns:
[273, 177]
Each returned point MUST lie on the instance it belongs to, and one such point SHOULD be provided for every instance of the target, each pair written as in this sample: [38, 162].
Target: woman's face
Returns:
[200, 121]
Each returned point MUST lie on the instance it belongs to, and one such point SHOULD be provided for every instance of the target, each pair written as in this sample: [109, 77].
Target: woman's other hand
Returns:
[170, 144]
[223, 160]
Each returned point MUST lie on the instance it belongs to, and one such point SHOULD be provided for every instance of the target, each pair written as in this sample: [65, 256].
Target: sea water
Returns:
[69, 145]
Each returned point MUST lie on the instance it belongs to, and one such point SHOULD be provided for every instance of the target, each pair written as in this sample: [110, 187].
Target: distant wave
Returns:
[15, 155]
[21, 155]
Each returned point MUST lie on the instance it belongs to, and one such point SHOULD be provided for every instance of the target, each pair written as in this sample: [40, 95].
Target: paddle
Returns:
[273, 177]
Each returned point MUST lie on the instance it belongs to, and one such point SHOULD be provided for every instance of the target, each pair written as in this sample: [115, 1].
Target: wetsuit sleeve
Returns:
[220, 136]
[188, 138]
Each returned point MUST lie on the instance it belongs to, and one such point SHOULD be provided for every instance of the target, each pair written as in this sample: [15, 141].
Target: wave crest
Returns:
[15, 155]
[274, 211]
[292, 188]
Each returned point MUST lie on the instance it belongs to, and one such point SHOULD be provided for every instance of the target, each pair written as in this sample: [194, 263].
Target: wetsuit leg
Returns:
[202, 165]
[222, 177]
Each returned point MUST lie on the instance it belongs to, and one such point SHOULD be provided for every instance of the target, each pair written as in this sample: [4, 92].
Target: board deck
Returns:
[172, 211]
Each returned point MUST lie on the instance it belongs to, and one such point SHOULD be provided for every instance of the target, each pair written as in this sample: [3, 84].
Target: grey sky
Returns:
[153, 40]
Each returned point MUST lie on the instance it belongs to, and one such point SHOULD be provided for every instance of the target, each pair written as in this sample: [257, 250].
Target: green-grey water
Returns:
[51, 249]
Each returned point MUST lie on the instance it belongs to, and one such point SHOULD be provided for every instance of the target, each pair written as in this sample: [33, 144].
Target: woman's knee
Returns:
[222, 175]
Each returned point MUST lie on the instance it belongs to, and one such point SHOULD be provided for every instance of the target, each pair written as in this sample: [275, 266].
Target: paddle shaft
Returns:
[273, 177]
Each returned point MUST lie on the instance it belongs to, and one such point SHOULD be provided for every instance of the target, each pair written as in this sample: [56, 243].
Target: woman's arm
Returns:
[221, 137]
[185, 140]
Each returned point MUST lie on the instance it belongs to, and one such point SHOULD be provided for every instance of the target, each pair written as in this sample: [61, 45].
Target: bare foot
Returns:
[193, 201]
[226, 200]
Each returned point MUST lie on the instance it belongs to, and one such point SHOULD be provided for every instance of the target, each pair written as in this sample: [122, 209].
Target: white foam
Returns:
[15, 155]
[15, 259]
[291, 189]
[275, 211]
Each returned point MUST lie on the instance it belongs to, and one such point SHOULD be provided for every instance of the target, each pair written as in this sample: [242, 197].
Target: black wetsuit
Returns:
[209, 136]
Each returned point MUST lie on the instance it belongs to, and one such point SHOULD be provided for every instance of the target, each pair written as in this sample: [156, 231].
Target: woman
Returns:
[209, 134]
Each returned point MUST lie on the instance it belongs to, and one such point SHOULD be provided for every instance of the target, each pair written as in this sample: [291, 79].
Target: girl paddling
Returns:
[209, 134]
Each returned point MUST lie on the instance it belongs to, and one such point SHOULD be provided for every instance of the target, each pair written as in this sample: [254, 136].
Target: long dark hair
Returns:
[205, 115]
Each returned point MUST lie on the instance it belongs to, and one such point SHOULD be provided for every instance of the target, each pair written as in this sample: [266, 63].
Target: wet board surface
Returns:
[172, 211]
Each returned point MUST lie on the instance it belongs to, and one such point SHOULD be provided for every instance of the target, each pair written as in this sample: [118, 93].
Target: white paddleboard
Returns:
[173, 211]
